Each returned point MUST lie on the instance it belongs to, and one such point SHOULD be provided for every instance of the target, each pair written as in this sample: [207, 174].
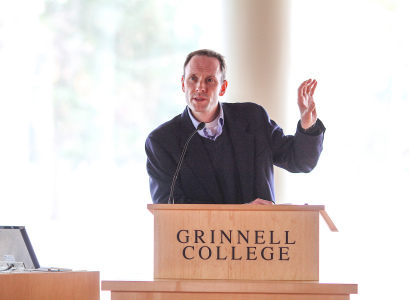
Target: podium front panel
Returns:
[250, 244]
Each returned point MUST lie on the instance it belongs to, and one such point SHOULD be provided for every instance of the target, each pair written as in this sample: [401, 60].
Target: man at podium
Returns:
[225, 153]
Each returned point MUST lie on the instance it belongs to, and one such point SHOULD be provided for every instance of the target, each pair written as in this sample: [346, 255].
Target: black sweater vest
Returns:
[223, 160]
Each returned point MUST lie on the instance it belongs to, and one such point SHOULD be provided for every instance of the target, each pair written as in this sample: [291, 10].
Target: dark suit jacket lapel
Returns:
[243, 144]
[198, 161]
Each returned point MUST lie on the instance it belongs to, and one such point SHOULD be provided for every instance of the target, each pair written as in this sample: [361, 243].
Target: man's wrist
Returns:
[309, 129]
[316, 129]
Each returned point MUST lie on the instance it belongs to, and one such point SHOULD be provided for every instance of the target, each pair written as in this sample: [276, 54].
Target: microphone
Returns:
[171, 200]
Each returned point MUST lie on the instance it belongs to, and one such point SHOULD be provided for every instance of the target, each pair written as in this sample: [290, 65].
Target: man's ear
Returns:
[223, 89]
[183, 83]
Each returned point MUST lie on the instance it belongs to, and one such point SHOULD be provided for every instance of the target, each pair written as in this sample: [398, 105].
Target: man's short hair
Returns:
[208, 53]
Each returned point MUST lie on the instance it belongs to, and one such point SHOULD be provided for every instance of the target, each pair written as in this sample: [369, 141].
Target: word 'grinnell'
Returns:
[215, 245]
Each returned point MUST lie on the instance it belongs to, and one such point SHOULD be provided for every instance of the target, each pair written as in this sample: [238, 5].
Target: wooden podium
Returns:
[234, 252]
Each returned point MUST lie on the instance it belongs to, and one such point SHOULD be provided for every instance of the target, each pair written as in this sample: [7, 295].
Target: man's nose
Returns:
[201, 86]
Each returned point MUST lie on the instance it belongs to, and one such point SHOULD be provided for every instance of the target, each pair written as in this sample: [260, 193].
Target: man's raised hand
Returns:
[306, 103]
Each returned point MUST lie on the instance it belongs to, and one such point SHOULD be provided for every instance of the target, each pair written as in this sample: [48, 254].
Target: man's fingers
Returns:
[302, 92]
[311, 85]
[314, 85]
[259, 201]
[307, 87]
[305, 94]
[301, 89]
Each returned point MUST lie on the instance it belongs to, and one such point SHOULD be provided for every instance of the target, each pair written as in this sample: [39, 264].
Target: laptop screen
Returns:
[15, 247]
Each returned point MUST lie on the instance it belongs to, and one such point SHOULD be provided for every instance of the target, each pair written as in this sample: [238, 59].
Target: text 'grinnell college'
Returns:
[245, 245]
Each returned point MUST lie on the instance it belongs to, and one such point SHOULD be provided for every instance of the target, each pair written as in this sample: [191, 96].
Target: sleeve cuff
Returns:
[316, 129]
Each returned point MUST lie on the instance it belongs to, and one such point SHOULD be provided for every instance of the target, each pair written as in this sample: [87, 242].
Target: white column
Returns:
[257, 43]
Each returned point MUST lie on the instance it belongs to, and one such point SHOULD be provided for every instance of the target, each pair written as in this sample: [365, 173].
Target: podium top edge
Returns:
[235, 207]
[244, 207]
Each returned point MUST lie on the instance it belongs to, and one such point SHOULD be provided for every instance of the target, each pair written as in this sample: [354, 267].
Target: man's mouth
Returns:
[199, 98]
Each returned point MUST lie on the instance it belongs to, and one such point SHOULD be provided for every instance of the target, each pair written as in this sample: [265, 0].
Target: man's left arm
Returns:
[300, 153]
[310, 130]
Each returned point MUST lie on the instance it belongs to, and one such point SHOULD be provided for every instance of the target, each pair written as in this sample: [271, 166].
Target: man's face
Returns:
[202, 86]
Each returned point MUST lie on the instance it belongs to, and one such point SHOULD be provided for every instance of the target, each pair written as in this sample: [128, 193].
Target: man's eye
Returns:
[192, 77]
[210, 80]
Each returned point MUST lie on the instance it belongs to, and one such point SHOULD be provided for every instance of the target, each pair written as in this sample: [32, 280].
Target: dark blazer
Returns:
[258, 142]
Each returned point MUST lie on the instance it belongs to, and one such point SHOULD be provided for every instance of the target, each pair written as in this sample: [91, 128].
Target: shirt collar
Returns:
[203, 132]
